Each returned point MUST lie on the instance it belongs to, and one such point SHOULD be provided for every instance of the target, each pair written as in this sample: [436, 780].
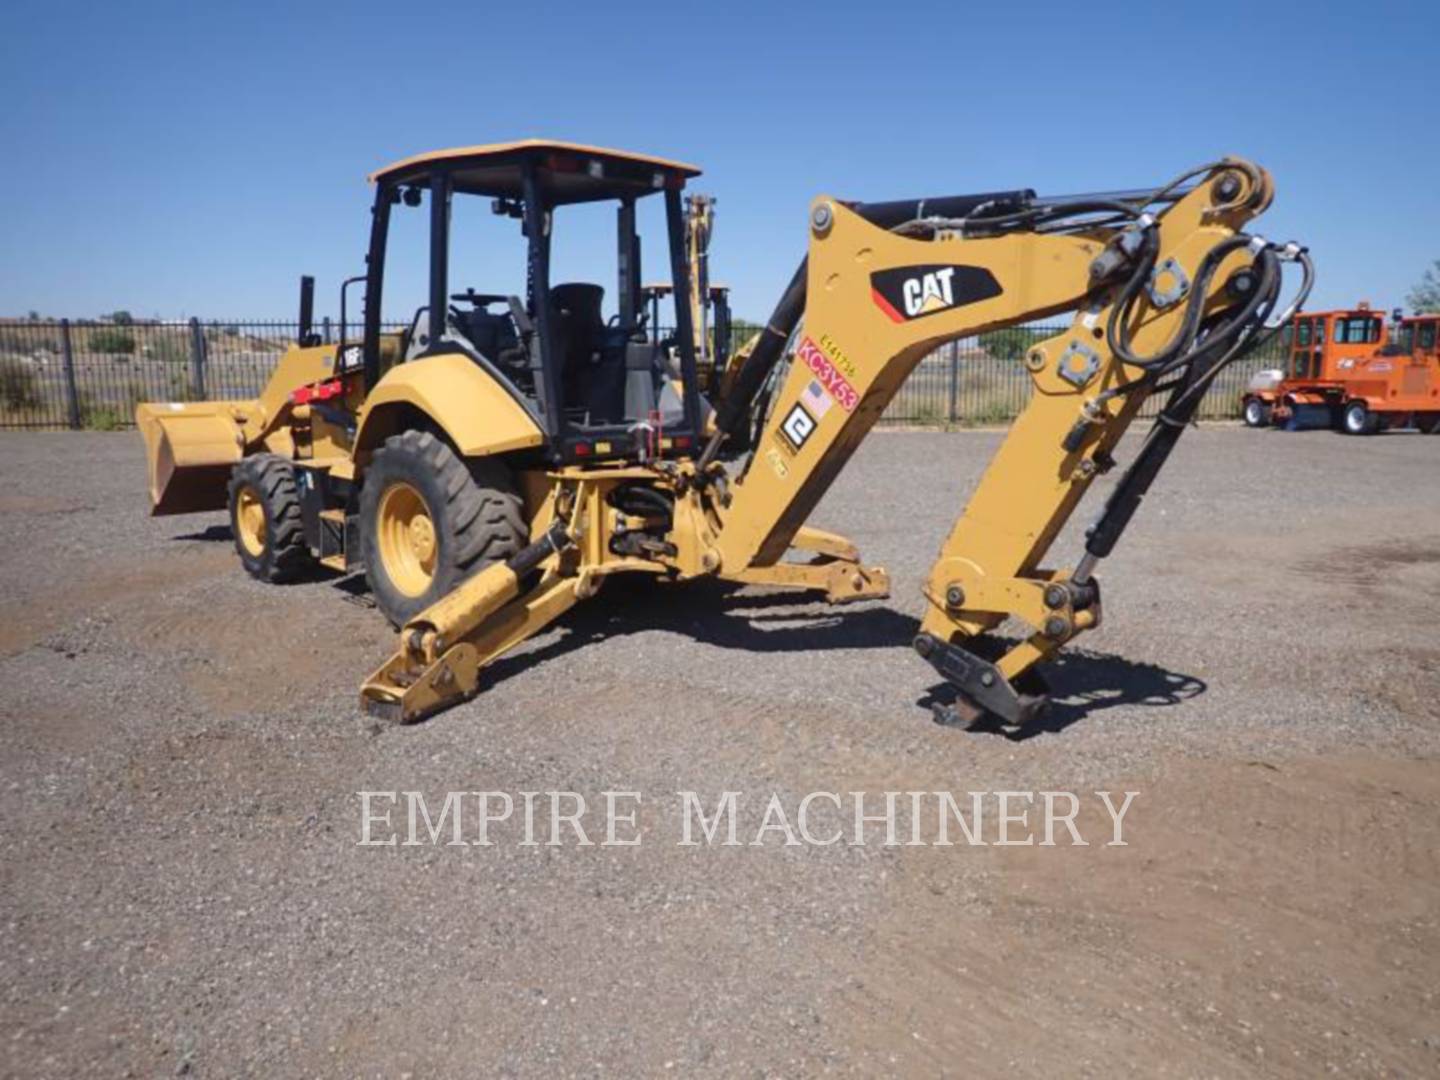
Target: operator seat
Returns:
[590, 381]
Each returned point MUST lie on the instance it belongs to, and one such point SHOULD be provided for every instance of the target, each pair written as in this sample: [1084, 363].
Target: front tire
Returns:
[265, 518]
[1257, 413]
[1359, 420]
[429, 520]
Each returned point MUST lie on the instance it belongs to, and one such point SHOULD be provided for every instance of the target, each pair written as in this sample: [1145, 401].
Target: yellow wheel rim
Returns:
[250, 521]
[407, 541]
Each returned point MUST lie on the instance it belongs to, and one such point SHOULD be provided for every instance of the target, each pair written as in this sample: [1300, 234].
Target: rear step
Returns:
[332, 540]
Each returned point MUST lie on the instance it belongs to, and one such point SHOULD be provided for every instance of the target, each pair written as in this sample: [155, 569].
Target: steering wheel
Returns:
[479, 299]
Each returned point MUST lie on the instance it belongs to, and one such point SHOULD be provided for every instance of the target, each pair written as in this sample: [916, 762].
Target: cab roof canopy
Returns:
[566, 172]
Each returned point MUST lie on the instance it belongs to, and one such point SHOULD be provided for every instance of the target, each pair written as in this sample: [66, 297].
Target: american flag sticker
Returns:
[816, 399]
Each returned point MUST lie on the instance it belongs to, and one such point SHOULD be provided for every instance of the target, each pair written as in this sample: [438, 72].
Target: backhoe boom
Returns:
[1166, 291]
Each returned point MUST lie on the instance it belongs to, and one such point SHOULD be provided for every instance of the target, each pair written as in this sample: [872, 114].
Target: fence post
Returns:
[197, 360]
[325, 322]
[72, 393]
[954, 381]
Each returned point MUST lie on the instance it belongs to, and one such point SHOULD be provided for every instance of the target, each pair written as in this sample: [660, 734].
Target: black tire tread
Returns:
[484, 512]
[287, 556]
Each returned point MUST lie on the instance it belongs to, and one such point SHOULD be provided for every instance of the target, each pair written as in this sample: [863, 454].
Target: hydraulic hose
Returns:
[763, 358]
[1235, 334]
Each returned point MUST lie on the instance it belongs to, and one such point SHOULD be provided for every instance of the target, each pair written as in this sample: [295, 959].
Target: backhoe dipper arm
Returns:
[1163, 299]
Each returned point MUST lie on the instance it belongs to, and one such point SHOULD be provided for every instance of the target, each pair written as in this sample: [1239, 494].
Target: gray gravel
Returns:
[184, 893]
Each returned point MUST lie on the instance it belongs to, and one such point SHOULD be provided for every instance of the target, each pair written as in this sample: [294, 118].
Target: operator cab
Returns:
[1417, 338]
[598, 383]
[1324, 345]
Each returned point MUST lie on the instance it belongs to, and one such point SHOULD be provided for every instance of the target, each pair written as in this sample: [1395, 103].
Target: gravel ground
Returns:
[185, 894]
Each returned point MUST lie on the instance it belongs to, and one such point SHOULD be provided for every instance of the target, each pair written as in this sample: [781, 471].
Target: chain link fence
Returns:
[88, 374]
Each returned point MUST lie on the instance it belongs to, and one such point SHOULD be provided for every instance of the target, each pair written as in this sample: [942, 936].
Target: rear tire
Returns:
[429, 520]
[1430, 425]
[1357, 419]
[1257, 413]
[265, 519]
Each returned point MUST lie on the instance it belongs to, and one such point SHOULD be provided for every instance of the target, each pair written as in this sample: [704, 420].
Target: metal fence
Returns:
[86, 374]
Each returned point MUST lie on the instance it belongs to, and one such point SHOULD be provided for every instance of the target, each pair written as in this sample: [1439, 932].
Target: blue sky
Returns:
[195, 159]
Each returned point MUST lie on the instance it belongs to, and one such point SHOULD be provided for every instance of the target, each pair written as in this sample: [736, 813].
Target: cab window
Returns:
[1357, 330]
[1407, 338]
[1319, 331]
[1302, 333]
[1427, 336]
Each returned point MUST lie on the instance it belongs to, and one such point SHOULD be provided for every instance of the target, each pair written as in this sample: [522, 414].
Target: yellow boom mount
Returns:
[1166, 290]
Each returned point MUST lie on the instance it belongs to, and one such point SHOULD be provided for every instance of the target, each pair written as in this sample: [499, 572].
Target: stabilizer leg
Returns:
[837, 571]
[442, 649]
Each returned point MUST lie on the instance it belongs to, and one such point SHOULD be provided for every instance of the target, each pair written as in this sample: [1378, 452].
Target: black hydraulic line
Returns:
[1125, 499]
[762, 359]
[1134, 195]
[889, 214]
[554, 539]
[1219, 350]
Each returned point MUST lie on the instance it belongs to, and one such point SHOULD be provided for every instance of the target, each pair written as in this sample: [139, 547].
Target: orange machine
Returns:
[1347, 370]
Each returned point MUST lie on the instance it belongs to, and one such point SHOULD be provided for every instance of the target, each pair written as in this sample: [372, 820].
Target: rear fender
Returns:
[477, 413]
[1374, 404]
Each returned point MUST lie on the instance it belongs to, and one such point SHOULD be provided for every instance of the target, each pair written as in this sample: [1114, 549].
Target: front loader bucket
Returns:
[190, 450]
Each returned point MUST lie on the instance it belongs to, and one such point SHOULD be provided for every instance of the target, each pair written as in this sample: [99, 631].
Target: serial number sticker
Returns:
[814, 358]
[816, 399]
[777, 462]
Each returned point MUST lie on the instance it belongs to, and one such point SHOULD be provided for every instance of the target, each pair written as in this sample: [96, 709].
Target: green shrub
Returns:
[169, 349]
[1011, 343]
[19, 385]
[113, 339]
[103, 418]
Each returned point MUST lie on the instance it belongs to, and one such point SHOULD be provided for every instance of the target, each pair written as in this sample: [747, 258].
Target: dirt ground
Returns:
[184, 893]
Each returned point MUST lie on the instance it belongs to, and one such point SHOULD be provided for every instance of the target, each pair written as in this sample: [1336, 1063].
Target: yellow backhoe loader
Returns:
[709, 302]
[491, 465]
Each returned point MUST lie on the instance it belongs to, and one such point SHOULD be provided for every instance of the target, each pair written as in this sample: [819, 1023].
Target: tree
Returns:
[123, 318]
[1424, 298]
[1011, 343]
[113, 340]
